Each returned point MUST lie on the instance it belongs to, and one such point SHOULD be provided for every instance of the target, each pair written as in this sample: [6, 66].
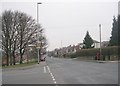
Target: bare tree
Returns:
[6, 37]
[9, 36]
[15, 35]
[27, 31]
[19, 30]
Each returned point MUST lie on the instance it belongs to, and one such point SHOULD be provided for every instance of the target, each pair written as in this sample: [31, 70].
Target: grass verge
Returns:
[20, 65]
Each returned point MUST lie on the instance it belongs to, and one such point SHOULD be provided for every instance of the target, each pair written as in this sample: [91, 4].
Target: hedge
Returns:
[106, 51]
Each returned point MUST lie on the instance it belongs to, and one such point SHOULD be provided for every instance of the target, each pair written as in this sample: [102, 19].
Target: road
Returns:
[64, 71]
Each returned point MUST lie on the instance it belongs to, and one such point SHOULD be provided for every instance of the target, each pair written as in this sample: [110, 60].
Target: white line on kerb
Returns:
[51, 75]
[44, 69]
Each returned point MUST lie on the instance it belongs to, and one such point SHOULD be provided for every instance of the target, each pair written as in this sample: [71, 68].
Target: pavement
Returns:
[96, 61]
[63, 71]
[33, 75]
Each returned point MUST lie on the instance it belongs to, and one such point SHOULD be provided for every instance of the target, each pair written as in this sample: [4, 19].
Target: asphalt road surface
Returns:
[64, 71]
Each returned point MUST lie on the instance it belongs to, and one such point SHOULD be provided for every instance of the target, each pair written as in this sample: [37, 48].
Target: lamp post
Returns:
[38, 47]
[38, 11]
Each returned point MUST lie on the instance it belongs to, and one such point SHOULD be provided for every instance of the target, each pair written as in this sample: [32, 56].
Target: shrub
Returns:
[105, 52]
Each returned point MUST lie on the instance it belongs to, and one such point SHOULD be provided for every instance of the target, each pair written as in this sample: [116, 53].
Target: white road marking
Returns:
[51, 75]
[74, 58]
[45, 69]
[49, 70]
[55, 82]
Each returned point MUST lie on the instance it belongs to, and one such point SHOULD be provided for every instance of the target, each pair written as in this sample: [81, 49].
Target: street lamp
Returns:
[38, 11]
[38, 47]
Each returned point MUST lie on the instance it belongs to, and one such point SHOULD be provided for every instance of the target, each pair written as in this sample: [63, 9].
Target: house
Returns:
[55, 52]
[96, 44]
[104, 43]
[69, 49]
[80, 45]
[77, 48]
[72, 49]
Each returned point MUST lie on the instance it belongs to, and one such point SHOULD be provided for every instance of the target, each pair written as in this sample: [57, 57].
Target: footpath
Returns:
[97, 61]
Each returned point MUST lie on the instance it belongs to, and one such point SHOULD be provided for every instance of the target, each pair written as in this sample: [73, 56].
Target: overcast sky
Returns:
[66, 22]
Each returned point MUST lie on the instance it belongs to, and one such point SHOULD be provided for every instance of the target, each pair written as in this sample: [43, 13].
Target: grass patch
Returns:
[20, 65]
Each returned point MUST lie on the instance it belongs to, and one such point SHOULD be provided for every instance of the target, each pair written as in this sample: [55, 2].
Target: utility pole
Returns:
[61, 43]
[100, 39]
[61, 48]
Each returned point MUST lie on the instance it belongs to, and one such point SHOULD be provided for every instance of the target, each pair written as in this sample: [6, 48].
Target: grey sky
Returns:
[68, 21]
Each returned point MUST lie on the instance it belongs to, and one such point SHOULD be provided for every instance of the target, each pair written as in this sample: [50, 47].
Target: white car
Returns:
[43, 57]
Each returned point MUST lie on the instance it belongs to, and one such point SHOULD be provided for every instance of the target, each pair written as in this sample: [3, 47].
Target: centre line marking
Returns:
[51, 75]
[55, 82]
[54, 79]
[44, 69]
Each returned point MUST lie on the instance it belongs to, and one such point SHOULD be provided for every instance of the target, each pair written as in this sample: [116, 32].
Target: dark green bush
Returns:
[74, 55]
[107, 51]
[87, 52]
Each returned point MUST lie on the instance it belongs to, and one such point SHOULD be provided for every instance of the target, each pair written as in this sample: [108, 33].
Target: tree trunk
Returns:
[7, 60]
[7, 52]
[21, 56]
[27, 56]
[40, 53]
[14, 63]
[14, 58]
[10, 55]
[10, 59]
[14, 48]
